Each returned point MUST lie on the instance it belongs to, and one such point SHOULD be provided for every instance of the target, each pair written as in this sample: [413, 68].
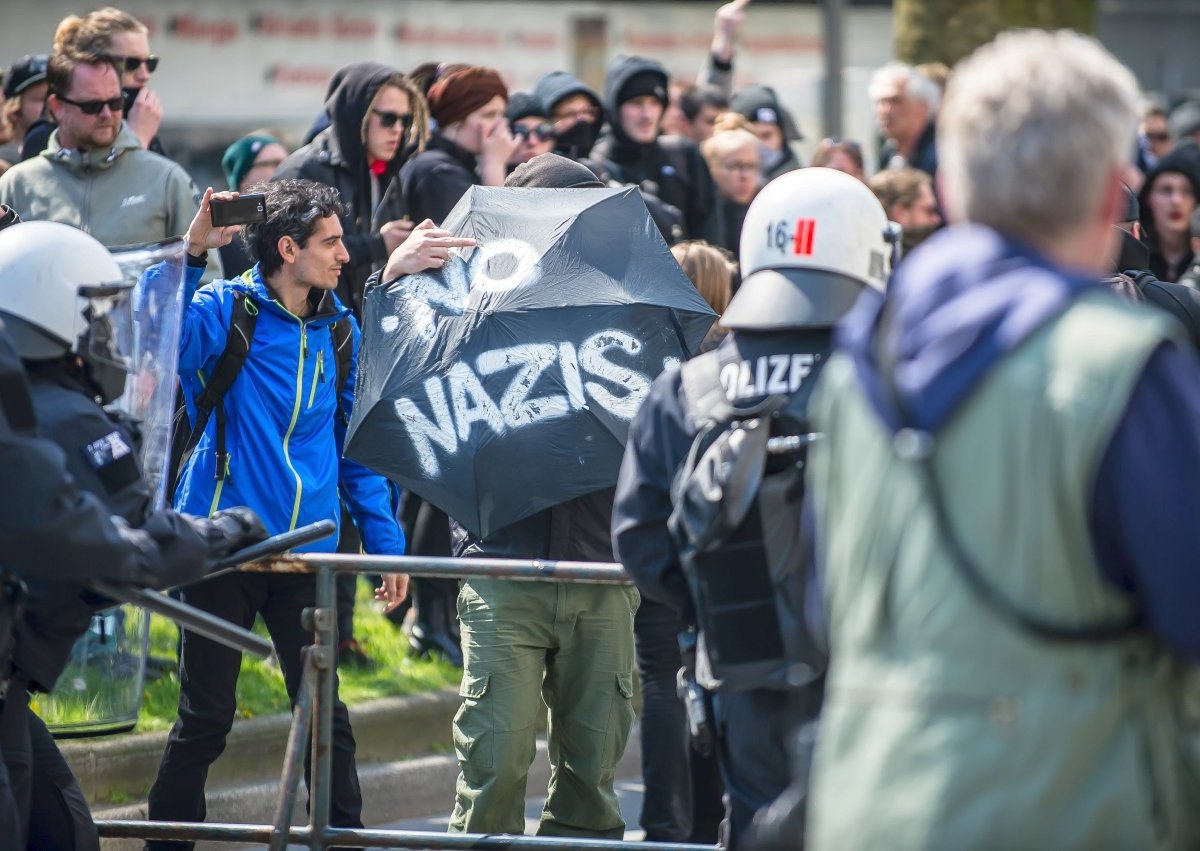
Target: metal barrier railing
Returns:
[312, 718]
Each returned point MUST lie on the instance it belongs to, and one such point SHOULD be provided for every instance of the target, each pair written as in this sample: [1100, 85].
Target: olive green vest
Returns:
[945, 725]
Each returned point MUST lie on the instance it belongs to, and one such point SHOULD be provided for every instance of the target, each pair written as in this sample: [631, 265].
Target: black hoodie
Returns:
[337, 157]
[577, 141]
[670, 169]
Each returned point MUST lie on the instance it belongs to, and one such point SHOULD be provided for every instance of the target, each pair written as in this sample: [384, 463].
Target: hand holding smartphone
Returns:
[243, 210]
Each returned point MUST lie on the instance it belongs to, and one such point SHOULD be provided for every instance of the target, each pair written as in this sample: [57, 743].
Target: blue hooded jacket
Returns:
[967, 298]
[284, 434]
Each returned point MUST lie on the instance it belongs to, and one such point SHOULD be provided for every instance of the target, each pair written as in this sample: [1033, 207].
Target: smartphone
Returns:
[243, 210]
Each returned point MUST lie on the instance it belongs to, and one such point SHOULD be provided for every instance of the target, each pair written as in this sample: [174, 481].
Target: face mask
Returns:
[915, 236]
[577, 140]
[130, 96]
[770, 157]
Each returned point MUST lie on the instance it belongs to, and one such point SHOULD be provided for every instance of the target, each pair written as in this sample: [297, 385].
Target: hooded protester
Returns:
[575, 111]
[773, 125]
[670, 170]
[1167, 200]
[528, 123]
[375, 113]
[471, 146]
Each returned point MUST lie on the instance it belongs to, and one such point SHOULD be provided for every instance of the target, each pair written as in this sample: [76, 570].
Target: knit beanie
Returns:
[239, 157]
[524, 105]
[642, 83]
[550, 171]
[459, 94]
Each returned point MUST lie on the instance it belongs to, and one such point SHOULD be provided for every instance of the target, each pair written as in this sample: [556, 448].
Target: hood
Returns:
[553, 87]
[958, 305]
[81, 161]
[347, 107]
[619, 72]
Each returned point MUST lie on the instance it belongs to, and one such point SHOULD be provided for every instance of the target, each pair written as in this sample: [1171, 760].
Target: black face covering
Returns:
[577, 140]
[912, 237]
[130, 96]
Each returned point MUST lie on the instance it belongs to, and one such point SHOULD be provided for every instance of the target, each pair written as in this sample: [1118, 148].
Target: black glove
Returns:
[234, 529]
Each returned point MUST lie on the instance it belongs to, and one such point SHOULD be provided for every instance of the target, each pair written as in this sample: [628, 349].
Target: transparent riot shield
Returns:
[101, 689]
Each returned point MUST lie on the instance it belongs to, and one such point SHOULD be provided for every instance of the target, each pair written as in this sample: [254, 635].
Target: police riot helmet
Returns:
[62, 293]
[812, 241]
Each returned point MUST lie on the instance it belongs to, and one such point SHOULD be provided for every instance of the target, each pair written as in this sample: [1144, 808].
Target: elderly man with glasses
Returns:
[94, 174]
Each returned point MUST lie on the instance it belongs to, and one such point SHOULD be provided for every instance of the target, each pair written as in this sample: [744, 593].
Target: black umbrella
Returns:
[504, 383]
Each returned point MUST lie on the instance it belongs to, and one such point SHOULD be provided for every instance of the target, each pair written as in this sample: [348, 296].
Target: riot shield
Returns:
[101, 689]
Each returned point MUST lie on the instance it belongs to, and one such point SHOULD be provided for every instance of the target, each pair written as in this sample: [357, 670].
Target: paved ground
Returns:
[629, 792]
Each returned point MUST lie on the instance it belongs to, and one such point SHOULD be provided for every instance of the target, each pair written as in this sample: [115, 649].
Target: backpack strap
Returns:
[211, 399]
[342, 332]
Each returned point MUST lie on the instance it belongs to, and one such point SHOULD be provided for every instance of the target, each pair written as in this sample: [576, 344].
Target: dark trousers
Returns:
[39, 796]
[208, 675]
[754, 730]
[682, 801]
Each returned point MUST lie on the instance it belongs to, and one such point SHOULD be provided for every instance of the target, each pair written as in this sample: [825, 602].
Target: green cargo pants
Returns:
[571, 645]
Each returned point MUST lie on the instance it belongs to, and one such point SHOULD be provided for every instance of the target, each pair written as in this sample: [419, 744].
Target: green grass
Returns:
[260, 688]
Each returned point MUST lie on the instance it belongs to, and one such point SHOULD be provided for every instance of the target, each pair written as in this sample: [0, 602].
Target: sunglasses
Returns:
[388, 119]
[541, 132]
[95, 107]
[1158, 137]
[132, 63]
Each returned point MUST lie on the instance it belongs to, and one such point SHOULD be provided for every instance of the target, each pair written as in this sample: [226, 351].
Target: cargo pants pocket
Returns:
[474, 730]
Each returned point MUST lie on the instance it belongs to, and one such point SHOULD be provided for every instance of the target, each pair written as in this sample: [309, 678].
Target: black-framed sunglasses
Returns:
[542, 132]
[94, 107]
[132, 63]
[388, 119]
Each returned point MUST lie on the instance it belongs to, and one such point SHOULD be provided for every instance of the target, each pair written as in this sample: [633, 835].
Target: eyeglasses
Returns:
[541, 132]
[736, 167]
[132, 63]
[94, 107]
[388, 119]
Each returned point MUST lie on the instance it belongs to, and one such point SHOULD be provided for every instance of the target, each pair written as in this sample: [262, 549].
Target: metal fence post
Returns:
[293, 758]
[325, 657]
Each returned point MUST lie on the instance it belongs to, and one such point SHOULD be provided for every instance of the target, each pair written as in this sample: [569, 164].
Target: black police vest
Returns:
[736, 523]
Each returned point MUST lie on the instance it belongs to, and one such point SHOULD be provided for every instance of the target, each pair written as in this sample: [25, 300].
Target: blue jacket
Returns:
[283, 433]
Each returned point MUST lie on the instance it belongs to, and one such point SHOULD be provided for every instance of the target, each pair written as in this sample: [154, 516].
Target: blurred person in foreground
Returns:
[906, 109]
[733, 157]
[95, 174]
[1010, 663]
[907, 197]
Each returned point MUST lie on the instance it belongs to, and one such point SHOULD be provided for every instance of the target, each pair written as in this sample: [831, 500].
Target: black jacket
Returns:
[730, 217]
[434, 180]
[101, 454]
[671, 169]
[574, 531]
[337, 157]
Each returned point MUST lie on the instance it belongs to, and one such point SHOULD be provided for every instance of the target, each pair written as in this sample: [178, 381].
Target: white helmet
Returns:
[61, 292]
[812, 240]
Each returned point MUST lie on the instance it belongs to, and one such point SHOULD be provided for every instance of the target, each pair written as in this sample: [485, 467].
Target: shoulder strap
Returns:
[228, 366]
[342, 332]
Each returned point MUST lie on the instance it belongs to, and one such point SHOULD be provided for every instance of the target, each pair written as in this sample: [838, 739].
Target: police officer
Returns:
[66, 308]
[813, 240]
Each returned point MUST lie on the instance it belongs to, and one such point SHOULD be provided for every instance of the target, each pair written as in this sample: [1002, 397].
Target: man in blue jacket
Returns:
[285, 422]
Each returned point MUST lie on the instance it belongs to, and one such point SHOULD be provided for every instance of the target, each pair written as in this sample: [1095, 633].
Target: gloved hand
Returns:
[234, 529]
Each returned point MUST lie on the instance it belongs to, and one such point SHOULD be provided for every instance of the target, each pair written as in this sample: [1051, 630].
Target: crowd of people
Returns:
[837, 629]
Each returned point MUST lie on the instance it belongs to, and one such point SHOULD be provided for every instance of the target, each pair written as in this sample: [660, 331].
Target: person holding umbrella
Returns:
[500, 389]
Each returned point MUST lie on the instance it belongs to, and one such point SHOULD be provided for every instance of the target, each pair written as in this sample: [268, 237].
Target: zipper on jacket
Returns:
[212, 509]
[296, 415]
[318, 373]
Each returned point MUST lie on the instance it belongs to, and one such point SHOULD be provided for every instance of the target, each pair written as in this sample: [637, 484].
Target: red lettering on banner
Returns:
[273, 25]
[460, 38]
[192, 28]
[805, 231]
[305, 76]
[347, 27]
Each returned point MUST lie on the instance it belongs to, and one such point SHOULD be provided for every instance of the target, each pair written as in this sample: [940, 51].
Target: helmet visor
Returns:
[108, 337]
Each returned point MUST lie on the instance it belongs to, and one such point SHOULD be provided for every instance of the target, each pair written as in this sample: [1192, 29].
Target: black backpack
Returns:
[736, 524]
[185, 435]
